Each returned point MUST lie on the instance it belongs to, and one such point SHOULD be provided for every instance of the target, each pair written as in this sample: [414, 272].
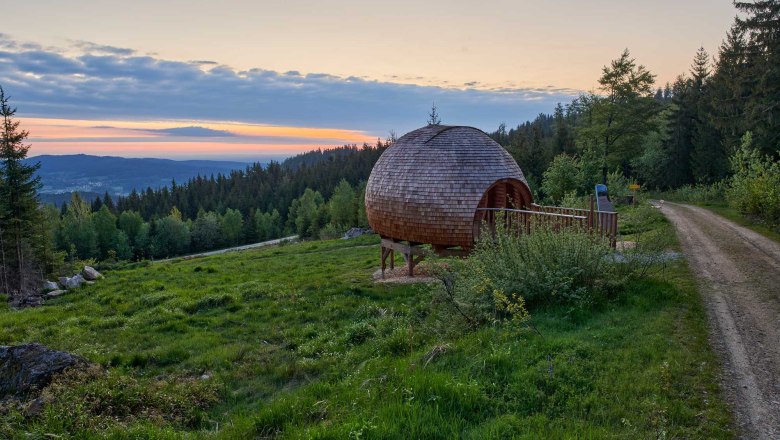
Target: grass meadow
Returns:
[297, 341]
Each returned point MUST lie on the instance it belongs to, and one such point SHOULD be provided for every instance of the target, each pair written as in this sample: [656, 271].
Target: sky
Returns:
[250, 80]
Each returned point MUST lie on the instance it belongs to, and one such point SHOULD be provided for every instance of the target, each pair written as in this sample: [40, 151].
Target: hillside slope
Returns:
[297, 341]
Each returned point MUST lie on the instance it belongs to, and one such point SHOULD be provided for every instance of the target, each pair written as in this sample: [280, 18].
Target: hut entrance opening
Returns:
[502, 195]
[506, 193]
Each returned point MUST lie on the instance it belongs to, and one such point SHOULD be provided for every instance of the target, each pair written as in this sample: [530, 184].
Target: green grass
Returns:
[299, 343]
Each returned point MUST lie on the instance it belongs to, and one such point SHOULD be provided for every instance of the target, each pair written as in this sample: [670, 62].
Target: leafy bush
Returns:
[755, 186]
[506, 270]
[561, 177]
[617, 185]
[563, 266]
[699, 193]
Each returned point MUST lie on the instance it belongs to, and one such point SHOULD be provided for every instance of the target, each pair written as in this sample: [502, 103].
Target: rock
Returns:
[25, 301]
[90, 274]
[62, 281]
[356, 232]
[55, 293]
[74, 282]
[28, 367]
[49, 286]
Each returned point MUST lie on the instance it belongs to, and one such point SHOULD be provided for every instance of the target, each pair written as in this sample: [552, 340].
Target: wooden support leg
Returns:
[392, 259]
[383, 258]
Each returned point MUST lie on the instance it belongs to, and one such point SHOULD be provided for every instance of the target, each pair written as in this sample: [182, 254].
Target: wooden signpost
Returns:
[633, 187]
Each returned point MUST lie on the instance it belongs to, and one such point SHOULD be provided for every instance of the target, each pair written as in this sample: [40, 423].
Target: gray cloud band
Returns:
[100, 82]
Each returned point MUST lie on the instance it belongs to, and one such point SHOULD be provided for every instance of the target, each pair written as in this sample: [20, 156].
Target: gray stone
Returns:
[74, 282]
[62, 281]
[356, 232]
[90, 274]
[55, 293]
[32, 300]
[49, 286]
[29, 367]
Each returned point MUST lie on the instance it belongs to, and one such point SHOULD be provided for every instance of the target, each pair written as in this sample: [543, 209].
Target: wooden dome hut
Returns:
[435, 184]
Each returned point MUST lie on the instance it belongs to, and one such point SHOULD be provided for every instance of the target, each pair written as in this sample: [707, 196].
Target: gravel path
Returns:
[739, 279]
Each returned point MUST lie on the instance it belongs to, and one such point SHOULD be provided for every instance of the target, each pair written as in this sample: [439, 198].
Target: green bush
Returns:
[713, 193]
[755, 186]
[546, 266]
[506, 270]
[561, 177]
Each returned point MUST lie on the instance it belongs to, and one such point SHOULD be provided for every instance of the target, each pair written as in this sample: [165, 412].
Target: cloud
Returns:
[87, 46]
[192, 131]
[102, 82]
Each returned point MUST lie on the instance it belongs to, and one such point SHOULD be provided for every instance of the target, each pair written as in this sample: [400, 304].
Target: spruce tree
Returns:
[728, 95]
[433, 116]
[709, 163]
[19, 213]
[761, 24]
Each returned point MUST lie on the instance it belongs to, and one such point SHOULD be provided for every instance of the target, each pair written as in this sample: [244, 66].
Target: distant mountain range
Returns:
[89, 175]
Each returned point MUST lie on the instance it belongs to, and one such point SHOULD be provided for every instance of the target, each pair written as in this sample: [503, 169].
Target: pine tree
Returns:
[433, 116]
[728, 95]
[761, 25]
[19, 213]
[709, 163]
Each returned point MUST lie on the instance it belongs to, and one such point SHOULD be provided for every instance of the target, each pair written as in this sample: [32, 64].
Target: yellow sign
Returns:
[633, 186]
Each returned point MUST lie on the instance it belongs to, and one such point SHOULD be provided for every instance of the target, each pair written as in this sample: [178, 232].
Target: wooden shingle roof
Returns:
[426, 187]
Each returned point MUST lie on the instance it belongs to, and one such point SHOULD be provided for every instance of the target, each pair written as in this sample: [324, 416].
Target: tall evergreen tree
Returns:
[433, 116]
[709, 163]
[761, 24]
[19, 213]
[728, 93]
[623, 113]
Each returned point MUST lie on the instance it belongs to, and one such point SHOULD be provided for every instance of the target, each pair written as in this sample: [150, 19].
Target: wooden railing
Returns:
[524, 221]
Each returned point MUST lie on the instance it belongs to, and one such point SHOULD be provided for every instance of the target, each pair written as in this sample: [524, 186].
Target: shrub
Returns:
[560, 178]
[562, 266]
[699, 193]
[755, 186]
[617, 185]
[506, 270]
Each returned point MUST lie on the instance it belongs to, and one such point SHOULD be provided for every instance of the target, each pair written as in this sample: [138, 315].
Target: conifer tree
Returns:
[433, 116]
[18, 207]
[761, 24]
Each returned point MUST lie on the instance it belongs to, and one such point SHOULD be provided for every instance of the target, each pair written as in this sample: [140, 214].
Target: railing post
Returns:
[590, 213]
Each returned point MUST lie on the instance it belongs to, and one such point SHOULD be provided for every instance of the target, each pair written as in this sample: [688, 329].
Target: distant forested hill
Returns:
[118, 175]
[258, 187]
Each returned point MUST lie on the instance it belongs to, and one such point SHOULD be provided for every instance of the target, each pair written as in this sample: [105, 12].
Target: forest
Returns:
[715, 129]
[716, 125]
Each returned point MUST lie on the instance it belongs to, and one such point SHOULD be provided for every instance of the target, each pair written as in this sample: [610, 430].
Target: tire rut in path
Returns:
[739, 279]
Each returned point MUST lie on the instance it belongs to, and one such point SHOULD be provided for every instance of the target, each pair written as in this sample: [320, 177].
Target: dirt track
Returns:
[739, 278]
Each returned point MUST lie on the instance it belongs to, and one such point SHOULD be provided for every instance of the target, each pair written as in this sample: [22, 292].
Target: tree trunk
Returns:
[3, 263]
[19, 262]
